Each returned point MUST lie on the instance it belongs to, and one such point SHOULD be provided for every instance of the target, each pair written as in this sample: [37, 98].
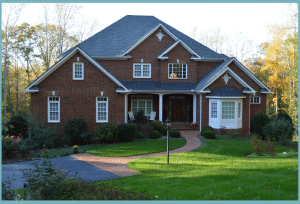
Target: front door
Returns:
[178, 104]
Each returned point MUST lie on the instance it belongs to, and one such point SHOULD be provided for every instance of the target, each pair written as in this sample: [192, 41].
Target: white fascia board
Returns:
[52, 69]
[251, 75]
[147, 35]
[174, 45]
[231, 97]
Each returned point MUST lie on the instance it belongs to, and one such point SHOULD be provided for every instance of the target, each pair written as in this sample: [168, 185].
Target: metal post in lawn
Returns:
[168, 122]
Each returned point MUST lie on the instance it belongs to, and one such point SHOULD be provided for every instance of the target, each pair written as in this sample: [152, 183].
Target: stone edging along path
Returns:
[118, 165]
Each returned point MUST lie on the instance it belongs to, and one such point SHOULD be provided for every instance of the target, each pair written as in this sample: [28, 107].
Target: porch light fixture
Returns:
[168, 122]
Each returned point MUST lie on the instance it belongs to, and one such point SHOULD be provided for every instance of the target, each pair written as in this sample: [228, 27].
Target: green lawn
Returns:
[218, 169]
[136, 148]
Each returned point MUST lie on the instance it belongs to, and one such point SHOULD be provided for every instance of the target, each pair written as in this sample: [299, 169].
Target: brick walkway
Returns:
[118, 165]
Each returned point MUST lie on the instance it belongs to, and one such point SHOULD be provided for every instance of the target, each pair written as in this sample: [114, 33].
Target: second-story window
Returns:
[177, 71]
[141, 70]
[78, 71]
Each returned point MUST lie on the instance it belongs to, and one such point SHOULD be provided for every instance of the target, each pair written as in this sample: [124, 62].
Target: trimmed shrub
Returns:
[154, 135]
[127, 132]
[175, 133]
[257, 123]
[75, 132]
[106, 133]
[163, 130]
[209, 134]
[281, 130]
[207, 128]
[18, 125]
[140, 117]
[41, 134]
[155, 123]
[139, 135]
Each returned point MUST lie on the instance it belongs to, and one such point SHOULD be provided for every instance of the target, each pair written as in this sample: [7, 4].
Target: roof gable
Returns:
[118, 39]
[33, 86]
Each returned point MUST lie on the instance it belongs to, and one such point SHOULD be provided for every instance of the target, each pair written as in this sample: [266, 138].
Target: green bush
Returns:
[281, 130]
[154, 135]
[155, 123]
[18, 125]
[140, 117]
[163, 130]
[41, 134]
[127, 132]
[257, 123]
[106, 133]
[139, 135]
[75, 132]
[209, 134]
[174, 134]
[234, 133]
[260, 147]
[283, 114]
[10, 146]
[207, 128]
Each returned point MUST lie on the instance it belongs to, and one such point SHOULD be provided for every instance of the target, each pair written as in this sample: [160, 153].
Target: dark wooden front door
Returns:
[177, 110]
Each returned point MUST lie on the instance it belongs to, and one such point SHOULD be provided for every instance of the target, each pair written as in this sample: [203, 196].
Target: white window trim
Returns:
[53, 121]
[81, 63]
[97, 102]
[173, 72]
[145, 102]
[142, 68]
[252, 97]
[218, 122]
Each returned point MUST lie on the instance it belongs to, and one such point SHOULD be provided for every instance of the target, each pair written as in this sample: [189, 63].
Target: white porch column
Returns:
[126, 108]
[194, 108]
[200, 121]
[160, 107]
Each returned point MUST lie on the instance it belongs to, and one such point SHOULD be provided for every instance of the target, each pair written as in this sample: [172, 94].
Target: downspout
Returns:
[249, 112]
[200, 123]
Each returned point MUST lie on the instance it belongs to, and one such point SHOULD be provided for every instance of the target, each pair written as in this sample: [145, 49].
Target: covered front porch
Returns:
[181, 108]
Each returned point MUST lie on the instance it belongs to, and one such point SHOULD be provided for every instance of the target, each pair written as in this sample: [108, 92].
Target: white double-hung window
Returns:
[141, 103]
[255, 100]
[141, 70]
[102, 109]
[53, 109]
[78, 71]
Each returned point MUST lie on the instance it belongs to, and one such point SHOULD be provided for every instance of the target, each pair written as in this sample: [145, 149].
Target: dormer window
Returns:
[141, 70]
[177, 71]
[78, 71]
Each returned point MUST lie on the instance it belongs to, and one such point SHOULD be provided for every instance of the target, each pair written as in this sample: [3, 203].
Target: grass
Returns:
[218, 169]
[136, 148]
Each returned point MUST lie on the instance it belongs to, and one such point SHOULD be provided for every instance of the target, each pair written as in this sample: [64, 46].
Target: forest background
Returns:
[29, 50]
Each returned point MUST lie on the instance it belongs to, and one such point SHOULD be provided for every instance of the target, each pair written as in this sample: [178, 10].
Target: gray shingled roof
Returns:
[204, 80]
[158, 85]
[120, 36]
[226, 91]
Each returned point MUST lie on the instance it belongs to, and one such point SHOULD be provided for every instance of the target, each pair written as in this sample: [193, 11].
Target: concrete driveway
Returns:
[84, 170]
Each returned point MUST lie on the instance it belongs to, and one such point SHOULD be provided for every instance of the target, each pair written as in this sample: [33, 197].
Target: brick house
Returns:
[140, 62]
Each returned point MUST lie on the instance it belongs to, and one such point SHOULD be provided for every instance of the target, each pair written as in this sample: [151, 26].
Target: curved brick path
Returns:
[118, 165]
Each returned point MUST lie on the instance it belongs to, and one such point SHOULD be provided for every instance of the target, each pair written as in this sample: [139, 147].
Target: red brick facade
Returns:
[78, 97]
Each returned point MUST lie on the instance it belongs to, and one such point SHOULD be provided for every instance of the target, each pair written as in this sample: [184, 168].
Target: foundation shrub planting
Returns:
[127, 132]
[234, 133]
[18, 125]
[106, 133]
[41, 134]
[75, 132]
[280, 129]
[140, 117]
[175, 133]
[156, 123]
[154, 135]
[10, 146]
[209, 134]
[207, 128]
[257, 124]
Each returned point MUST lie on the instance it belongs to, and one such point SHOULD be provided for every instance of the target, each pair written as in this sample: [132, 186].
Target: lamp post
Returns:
[168, 122]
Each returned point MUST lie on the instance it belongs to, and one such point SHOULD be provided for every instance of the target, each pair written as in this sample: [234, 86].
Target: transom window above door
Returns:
[141, 103]
[141, 70]
[177, 71]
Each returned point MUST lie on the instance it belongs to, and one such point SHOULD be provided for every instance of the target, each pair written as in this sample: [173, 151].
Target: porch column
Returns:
[126, 108]
[200, 119]
[160, 107]
[194, 108]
